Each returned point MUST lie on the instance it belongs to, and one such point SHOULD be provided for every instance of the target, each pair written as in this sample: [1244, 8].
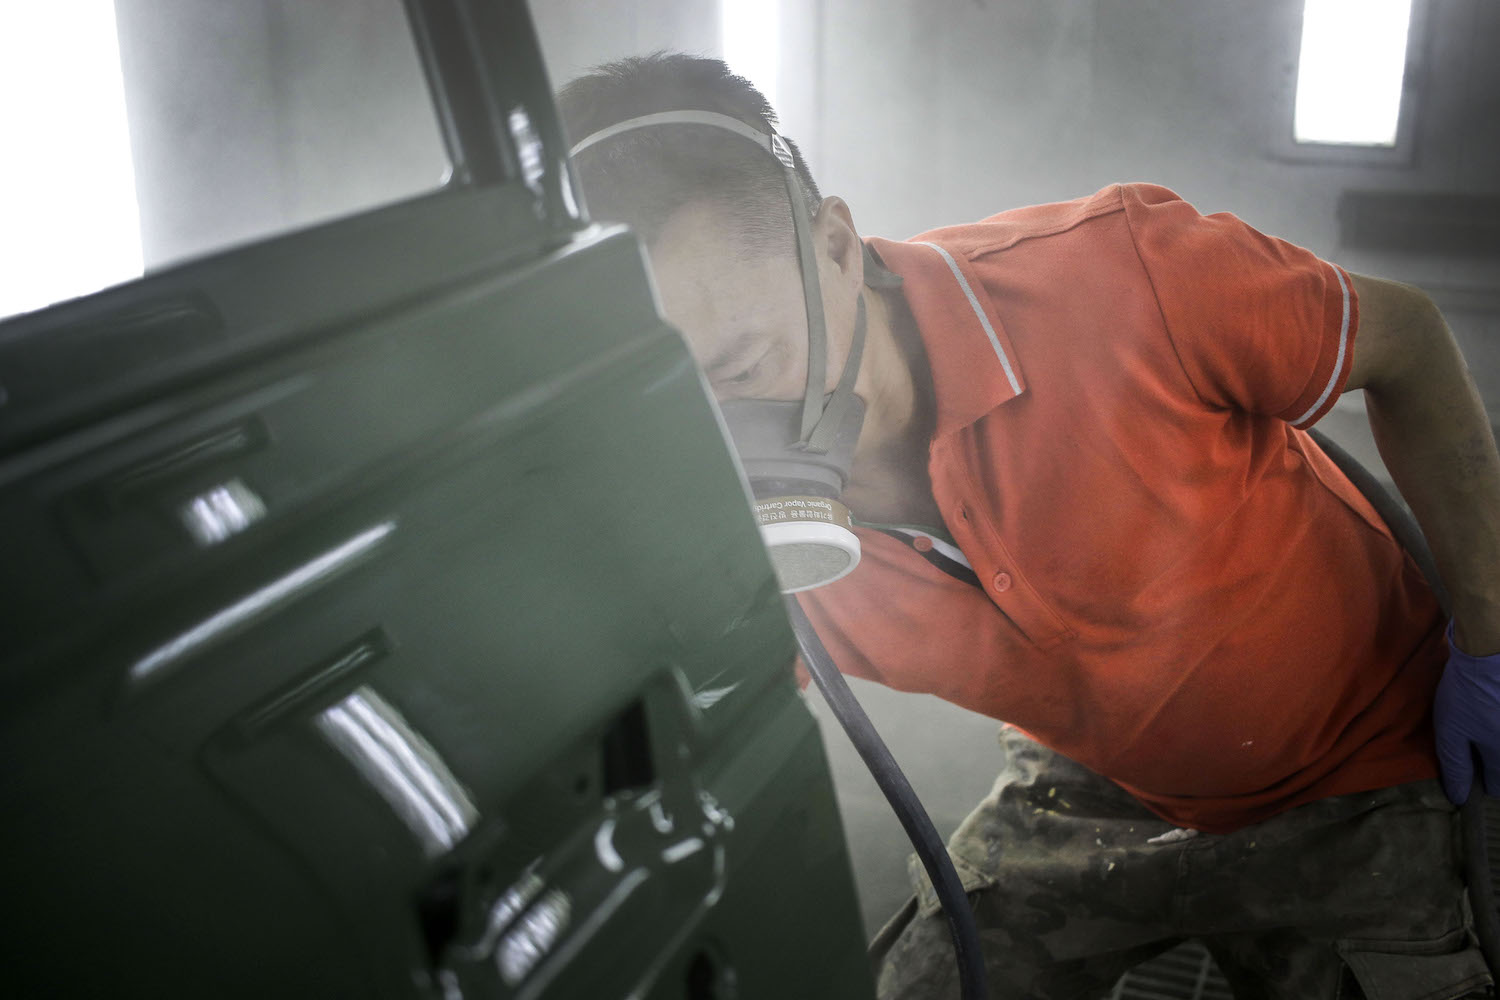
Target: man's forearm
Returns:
[1435, 438]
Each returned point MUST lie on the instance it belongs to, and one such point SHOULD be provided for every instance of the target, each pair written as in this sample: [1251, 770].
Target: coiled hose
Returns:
[898, 792]
[1476, 850]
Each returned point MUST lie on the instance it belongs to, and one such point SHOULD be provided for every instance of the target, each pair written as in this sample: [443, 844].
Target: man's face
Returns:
[742, 311]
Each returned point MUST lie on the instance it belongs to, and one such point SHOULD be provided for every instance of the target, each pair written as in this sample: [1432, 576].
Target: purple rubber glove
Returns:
[1466, 715]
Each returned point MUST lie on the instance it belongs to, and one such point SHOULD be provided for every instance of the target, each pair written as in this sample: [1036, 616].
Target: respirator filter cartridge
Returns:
[808, 532]
[810, 540]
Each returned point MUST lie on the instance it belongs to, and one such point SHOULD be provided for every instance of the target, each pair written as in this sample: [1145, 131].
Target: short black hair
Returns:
[641, 177]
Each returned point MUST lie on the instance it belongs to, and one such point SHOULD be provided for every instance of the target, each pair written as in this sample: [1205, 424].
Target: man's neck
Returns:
[888, 480]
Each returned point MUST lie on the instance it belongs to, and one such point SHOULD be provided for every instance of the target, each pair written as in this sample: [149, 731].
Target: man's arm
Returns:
[1435, 439]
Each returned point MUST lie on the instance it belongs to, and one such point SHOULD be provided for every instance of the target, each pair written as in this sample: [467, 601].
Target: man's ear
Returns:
[835, 235]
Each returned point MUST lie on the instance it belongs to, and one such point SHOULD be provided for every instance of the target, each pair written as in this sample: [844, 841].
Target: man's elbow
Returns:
[1401, 334]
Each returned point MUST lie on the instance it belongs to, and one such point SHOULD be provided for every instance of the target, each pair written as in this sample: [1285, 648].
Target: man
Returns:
[1088, 508]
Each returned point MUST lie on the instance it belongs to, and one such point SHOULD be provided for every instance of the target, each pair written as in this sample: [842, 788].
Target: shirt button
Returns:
[1002, 582]
[922, 543]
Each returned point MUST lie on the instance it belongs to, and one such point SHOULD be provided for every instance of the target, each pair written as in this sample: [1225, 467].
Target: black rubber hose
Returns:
[898, 792]
[1476, 852]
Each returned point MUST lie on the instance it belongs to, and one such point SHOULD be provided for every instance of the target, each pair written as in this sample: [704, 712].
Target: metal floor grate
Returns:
[1187, 972]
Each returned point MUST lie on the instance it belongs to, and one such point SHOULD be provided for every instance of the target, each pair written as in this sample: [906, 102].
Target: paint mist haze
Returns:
[919, 113]
[922, 113]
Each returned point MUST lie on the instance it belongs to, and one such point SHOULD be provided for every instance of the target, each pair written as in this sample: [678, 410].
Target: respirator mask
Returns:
[796, 453]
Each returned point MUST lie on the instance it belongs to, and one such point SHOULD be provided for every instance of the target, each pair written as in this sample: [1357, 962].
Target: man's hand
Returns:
[1466, 715]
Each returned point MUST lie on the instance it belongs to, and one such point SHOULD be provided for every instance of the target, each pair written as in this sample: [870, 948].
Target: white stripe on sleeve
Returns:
[1338, 365]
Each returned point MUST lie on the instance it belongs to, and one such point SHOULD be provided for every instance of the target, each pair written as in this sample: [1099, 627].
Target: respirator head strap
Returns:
[812, 298]
[843, 398]
[765, 140]
[814, 414]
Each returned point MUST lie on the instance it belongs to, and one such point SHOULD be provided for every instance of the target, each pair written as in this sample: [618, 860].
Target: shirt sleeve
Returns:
[1259, 324]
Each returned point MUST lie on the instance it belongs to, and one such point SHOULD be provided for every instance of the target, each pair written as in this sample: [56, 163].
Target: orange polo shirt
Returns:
[1176, 587]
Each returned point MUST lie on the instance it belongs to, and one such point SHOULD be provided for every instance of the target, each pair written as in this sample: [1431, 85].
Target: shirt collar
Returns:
[974, 367]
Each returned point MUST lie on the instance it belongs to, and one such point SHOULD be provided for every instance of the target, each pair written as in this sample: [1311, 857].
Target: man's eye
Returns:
[746, 372]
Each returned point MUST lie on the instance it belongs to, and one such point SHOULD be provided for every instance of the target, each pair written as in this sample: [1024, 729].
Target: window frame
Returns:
[1284, 145]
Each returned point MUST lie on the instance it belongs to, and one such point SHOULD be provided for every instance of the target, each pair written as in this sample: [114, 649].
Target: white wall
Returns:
[577, 35]
[938, 111]
[252, 118]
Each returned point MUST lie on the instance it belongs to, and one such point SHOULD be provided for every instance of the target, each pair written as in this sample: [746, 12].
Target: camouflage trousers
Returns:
[1072, 882]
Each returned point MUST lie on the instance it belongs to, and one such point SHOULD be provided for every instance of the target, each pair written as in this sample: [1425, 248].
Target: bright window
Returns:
[68, 207]
[137, 136]
[750, 34]
[1350, 72]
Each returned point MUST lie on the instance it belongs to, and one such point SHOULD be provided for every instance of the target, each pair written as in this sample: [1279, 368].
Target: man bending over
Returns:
[1088, 507]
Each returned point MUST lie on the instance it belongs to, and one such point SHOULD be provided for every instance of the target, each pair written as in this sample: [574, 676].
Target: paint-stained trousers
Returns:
[1072, 882]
